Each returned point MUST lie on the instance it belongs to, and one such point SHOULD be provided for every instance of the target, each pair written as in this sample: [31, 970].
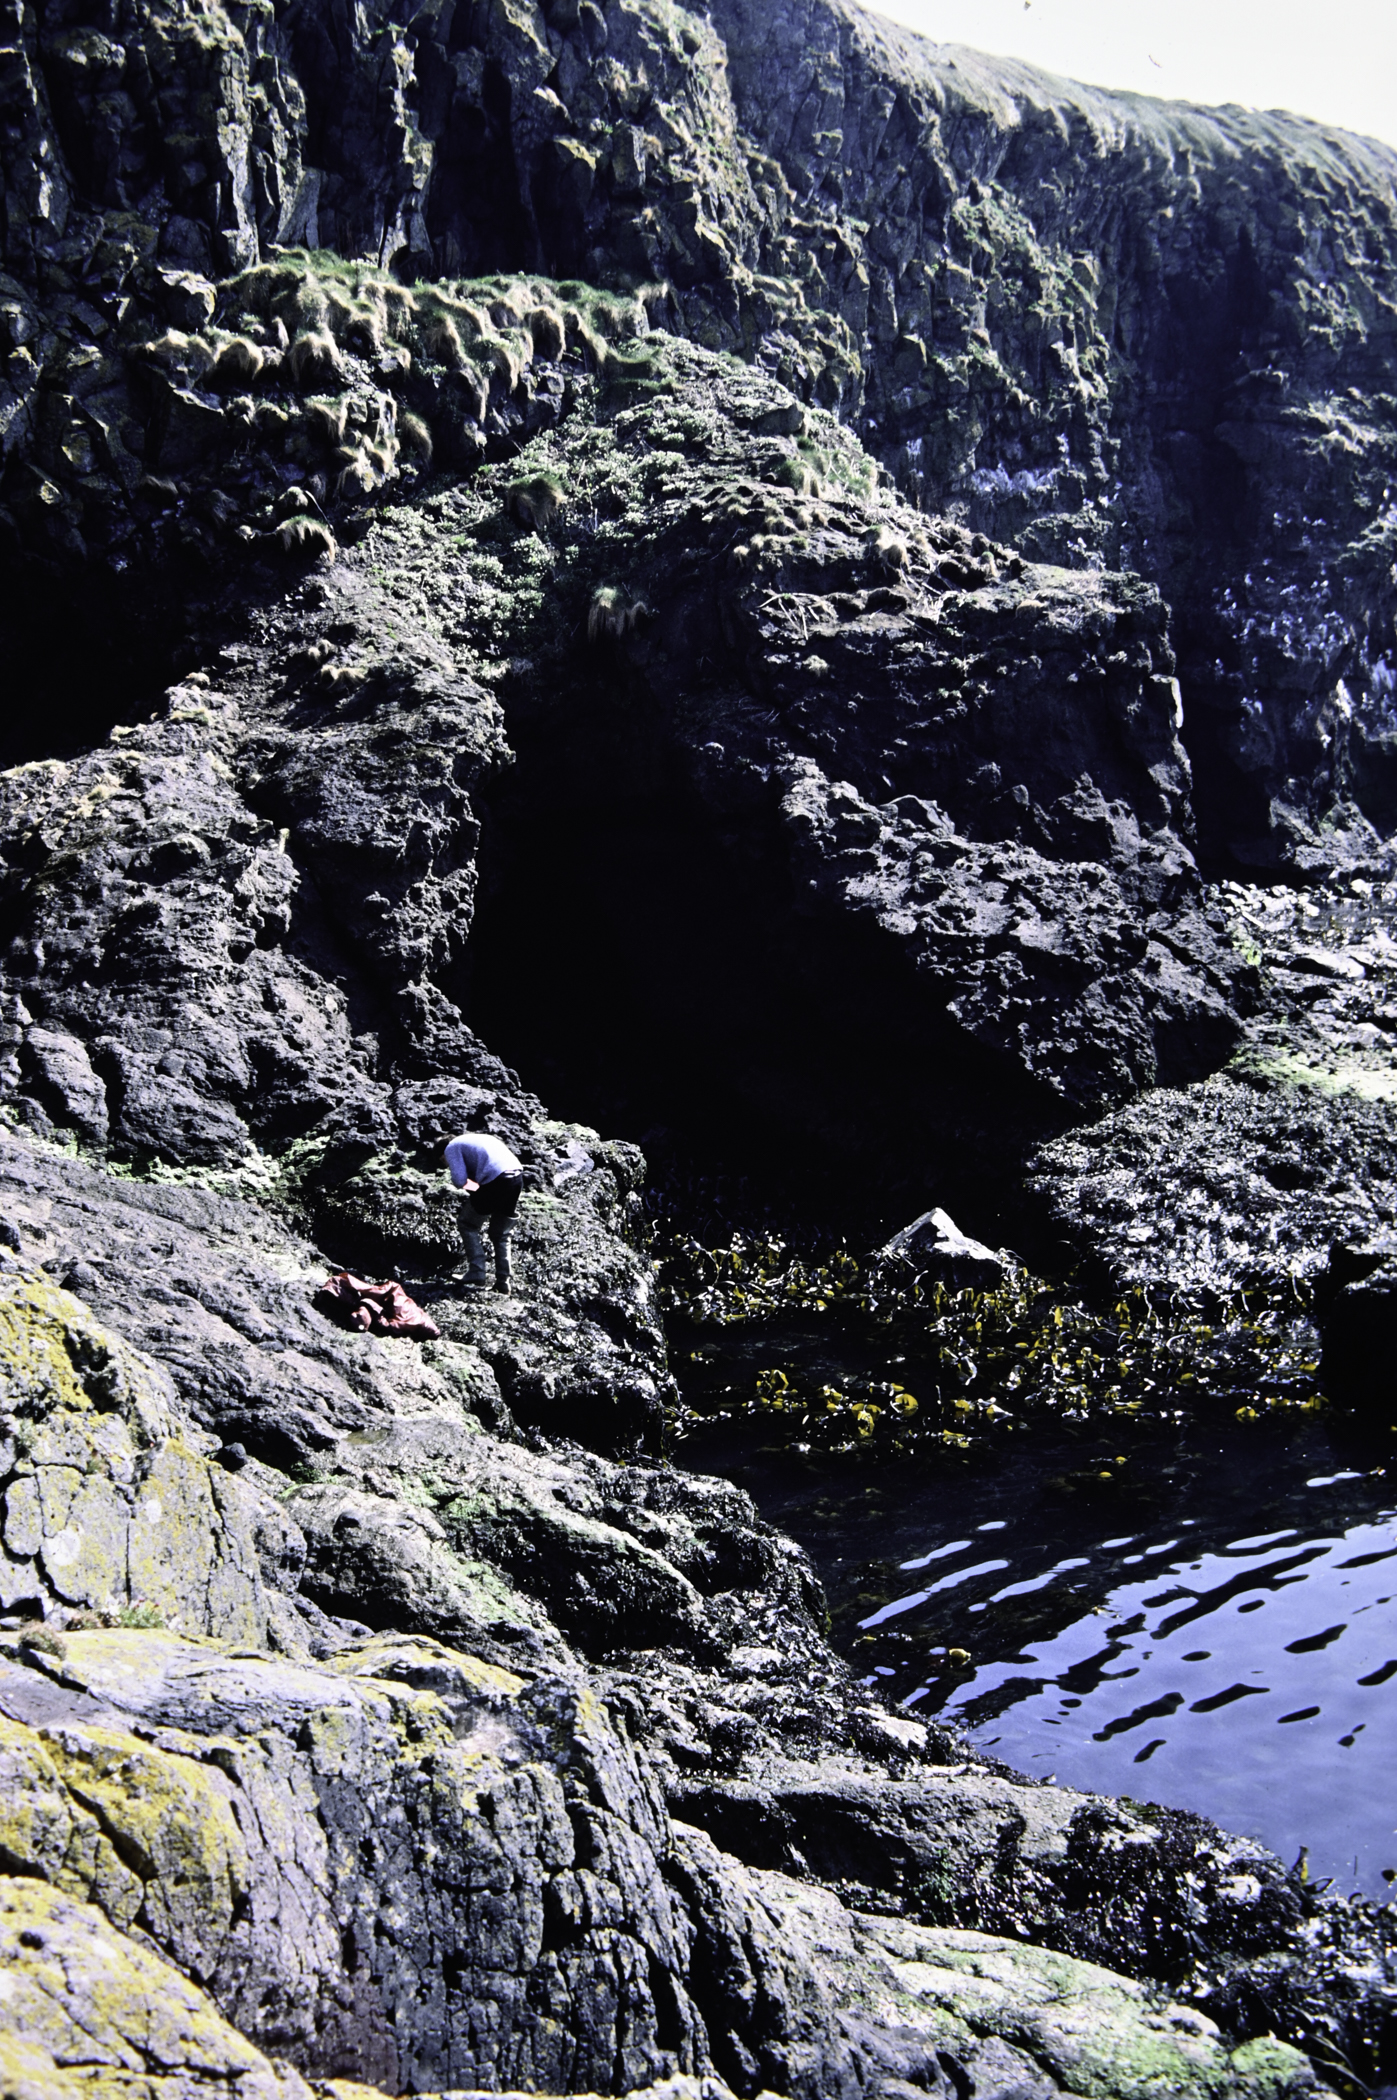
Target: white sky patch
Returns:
[1336, 63]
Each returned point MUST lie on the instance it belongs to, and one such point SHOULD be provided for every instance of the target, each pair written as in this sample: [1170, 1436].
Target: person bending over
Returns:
[490, 1179]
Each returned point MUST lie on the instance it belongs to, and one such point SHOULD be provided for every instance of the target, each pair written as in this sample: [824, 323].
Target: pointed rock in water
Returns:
[935, 1247]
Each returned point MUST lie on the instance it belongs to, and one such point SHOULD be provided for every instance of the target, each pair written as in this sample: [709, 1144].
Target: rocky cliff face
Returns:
[600, 538]
[1106, 331]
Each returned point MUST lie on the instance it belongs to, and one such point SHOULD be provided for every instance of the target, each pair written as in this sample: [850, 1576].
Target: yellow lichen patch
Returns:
[113, 1663]
[399, 1653]
[43, 1831]
[147, 1835]
[53, 1354]
[30, 2073]
[35, 1362]
[189, 1549]
[111, 2019]
[172, 1822]
[105, 1508]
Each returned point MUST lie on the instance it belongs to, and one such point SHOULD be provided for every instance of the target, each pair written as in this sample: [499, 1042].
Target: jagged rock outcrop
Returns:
[459, 491]
[405, 1870]
[1253, 1175]
[88, 2010]
[106, 1502]
[283, 1846]
[966, 782]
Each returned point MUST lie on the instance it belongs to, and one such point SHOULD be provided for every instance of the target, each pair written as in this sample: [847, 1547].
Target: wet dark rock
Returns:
[1233, 1181]
[1356, 1310]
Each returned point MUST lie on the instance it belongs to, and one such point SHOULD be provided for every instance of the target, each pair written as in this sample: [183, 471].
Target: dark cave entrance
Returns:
[76, 663]
[655, 978]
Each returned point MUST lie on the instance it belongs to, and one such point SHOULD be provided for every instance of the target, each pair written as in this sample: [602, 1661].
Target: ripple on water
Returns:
[1217, 1631]
[1254, 1680]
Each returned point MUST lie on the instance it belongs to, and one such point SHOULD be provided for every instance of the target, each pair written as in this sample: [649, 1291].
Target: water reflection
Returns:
[1213, 1627]
[1251, 1678]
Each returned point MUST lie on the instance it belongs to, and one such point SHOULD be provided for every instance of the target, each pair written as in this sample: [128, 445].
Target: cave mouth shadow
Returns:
[657, 980]
[78, 664]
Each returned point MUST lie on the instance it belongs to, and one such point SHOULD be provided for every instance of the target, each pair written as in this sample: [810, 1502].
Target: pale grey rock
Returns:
[934, 1246]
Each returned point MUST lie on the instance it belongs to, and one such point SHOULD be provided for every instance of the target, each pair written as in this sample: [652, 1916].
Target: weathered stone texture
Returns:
[683, 469]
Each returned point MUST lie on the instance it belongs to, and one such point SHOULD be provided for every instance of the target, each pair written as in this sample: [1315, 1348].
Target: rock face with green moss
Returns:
[1099, 328]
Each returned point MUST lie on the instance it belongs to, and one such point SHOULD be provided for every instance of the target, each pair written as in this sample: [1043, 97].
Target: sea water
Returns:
[1251, 1679]
[1225, 1642]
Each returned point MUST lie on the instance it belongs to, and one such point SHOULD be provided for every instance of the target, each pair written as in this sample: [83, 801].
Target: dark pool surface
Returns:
[1210, 1623]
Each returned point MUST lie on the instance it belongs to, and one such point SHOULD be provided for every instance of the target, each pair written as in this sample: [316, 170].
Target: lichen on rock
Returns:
[107, 1504]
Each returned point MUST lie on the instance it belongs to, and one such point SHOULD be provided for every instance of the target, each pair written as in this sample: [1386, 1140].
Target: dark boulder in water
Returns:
[1356, 1308]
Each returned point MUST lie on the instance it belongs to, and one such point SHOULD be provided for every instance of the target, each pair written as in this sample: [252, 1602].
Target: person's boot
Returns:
[502, 1264]
[477, 1269]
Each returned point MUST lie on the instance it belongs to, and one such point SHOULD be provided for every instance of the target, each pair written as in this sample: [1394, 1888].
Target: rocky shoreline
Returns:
[754, 570]
[439, 1721]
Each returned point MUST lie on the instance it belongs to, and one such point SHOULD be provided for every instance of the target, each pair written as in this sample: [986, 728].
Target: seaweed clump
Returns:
[950, 1369]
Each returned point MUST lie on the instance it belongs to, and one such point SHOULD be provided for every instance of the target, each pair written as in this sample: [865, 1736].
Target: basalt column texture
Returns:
[730, 567]
[1104, 330]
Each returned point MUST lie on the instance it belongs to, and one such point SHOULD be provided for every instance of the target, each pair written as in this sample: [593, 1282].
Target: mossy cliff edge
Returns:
[607, 522]
[1105, 330]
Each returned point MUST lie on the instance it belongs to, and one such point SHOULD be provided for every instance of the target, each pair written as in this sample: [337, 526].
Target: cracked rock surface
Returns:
[737, 559]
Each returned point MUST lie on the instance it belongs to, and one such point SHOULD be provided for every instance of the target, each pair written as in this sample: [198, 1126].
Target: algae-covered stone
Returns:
[1092, 2032]
[87, 2010]
[106, 1505]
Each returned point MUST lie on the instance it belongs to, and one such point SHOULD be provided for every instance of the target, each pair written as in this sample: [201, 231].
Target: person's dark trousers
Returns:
[490, 1208]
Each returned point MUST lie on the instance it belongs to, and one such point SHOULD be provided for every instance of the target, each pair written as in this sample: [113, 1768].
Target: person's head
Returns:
[452, 1137]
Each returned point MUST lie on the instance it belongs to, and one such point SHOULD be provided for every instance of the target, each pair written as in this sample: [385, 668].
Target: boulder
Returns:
[1356, 1311]
[356, 1857]
[934, 1247]
[89, 2010]
[109, 1504]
